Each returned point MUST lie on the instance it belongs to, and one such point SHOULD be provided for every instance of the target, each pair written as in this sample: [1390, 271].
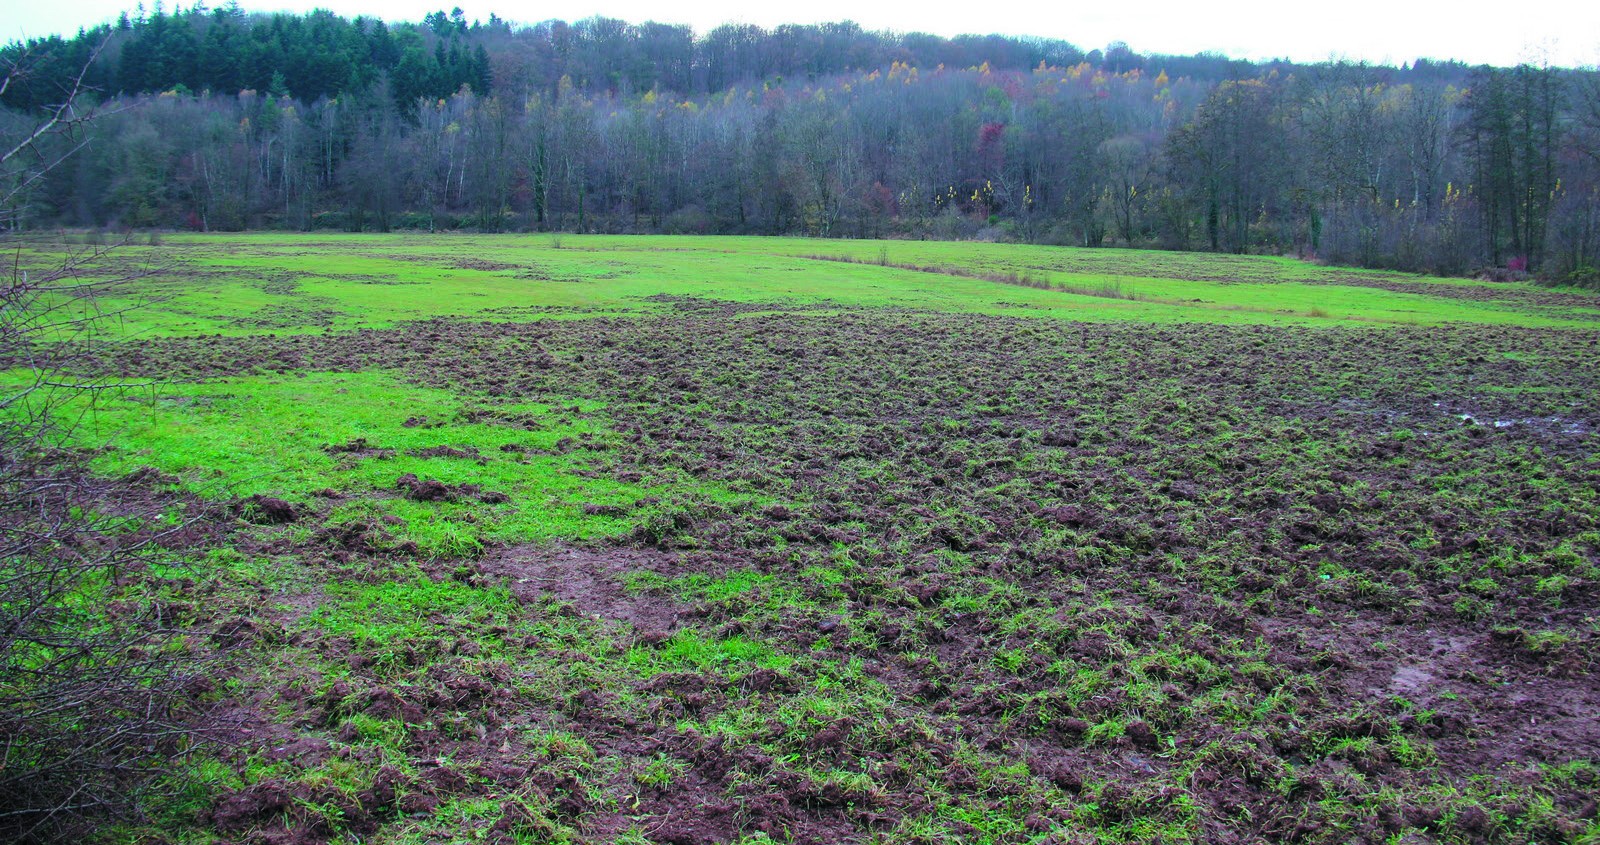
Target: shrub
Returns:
[93, 693]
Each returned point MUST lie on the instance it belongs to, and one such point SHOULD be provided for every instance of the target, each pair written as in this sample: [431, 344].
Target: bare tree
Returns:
[92, 698]
[1511, 133]
[1131, 165]
[29, 150]
[1229, 159]
[1586, 119]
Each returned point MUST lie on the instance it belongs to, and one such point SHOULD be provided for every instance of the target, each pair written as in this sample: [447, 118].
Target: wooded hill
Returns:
[225, 120]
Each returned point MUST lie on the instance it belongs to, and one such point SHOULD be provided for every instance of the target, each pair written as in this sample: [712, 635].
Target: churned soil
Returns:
[1260, 584]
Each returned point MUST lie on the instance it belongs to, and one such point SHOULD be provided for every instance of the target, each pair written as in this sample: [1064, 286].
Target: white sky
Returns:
[1393, 32]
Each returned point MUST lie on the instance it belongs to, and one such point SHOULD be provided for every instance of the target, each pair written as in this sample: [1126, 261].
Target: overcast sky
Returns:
[1393, 32]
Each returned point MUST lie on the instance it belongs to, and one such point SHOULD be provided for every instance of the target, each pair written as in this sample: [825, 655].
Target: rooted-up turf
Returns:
[1015, 579]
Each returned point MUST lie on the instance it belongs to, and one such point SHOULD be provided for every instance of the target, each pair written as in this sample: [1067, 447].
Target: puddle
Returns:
[1553, 424]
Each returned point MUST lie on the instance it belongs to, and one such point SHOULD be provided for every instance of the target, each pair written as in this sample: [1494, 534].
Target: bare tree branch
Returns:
[94, 695]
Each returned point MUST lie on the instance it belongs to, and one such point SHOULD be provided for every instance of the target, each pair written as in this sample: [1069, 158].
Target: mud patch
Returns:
[592, 581]
[1477, 700]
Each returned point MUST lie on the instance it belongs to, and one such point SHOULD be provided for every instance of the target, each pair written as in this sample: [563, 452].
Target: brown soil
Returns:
[591, 581]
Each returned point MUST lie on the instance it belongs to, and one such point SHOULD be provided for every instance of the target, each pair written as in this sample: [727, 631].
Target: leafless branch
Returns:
[95, 696]
[62, 116]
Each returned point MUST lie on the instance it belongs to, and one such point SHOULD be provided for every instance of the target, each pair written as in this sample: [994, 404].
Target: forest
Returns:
[222, 120]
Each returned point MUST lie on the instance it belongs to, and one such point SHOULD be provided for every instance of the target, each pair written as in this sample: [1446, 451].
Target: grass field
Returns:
[260, 283]
[682, 540]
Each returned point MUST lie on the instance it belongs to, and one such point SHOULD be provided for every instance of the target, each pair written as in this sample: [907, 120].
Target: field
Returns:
[703, 540]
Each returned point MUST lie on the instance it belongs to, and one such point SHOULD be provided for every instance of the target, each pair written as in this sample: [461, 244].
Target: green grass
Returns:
[692, 651]
[295, 283]
[270, 435]
[378, 615]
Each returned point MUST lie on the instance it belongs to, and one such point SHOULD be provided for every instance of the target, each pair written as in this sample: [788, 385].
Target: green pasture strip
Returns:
[280, 436]
[255, 283]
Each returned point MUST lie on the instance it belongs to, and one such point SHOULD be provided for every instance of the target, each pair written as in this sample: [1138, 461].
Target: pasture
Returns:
[692, 540]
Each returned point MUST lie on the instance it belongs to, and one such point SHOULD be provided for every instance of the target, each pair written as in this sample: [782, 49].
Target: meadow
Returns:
[706, 540]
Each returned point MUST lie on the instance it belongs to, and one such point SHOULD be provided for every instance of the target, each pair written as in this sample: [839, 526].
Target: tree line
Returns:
[221, 120]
